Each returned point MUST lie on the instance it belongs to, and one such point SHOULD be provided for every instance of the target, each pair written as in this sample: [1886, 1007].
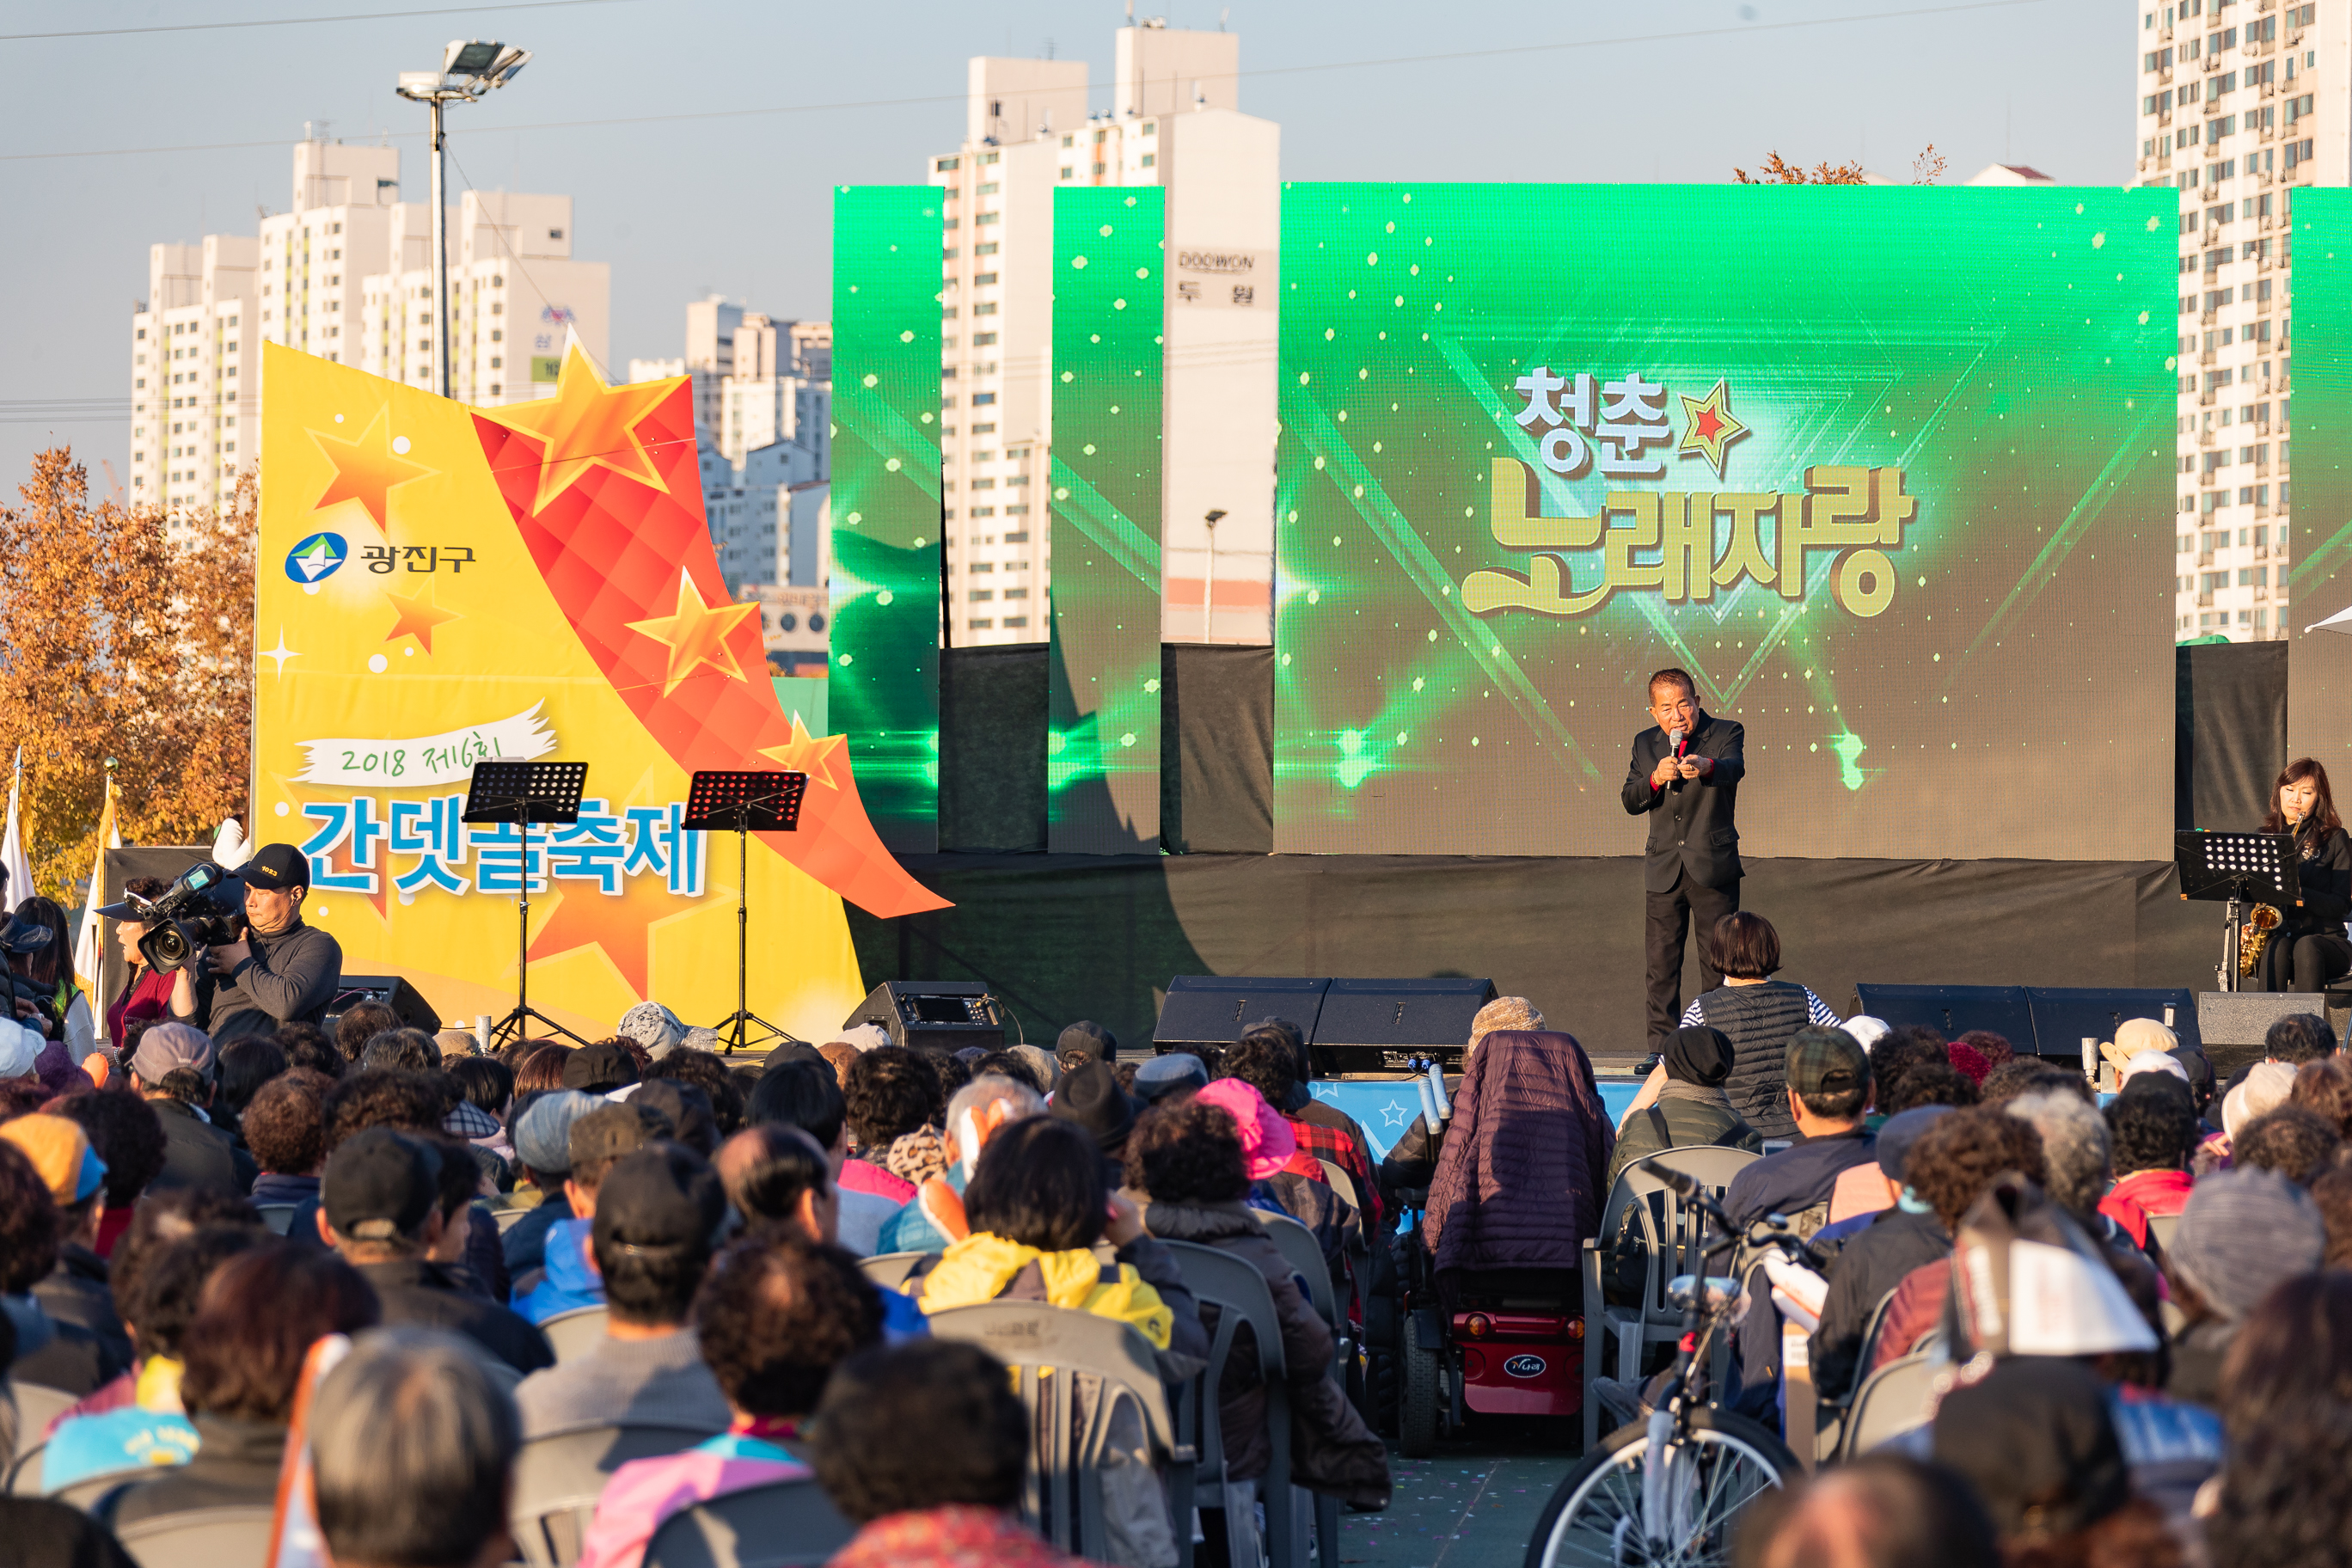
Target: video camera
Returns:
[205, 908]
[17, 938]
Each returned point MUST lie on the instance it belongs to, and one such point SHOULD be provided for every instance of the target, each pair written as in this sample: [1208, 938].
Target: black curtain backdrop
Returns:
[2229, 731]
[1216, 738]
[992, 721]
[1069, 937]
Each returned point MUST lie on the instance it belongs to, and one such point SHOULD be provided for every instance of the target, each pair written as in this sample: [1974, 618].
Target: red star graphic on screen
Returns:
[619, 552]
[417, 615]
[1709, 427]
[621, 927]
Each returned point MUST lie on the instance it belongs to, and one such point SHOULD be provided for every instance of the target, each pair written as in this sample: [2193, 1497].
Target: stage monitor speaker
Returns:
[1205, 1013]
[1953, 1010]
[934, 1014]
[2064, 1016]
[391, 990]
[2226, 1018]
[1380, 1025]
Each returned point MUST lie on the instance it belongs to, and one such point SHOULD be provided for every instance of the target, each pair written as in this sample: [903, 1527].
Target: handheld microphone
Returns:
[1675, 738]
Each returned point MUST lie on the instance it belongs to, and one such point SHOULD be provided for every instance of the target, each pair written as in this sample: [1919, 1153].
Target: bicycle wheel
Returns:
[1594, 1517]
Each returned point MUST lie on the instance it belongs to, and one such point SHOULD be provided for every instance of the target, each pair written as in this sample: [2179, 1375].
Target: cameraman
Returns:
[283, 972]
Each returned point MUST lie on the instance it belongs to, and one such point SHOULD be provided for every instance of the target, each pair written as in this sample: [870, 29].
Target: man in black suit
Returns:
[1685, 774]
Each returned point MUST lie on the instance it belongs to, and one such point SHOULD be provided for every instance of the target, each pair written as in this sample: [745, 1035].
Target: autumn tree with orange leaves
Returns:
[1925, 170]
[124, 634]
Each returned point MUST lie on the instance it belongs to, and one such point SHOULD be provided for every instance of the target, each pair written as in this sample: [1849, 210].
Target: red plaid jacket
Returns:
[1317, 1141]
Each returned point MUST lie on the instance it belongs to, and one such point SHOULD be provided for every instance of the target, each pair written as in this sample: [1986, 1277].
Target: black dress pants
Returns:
[1670, 916]
[2302, 960]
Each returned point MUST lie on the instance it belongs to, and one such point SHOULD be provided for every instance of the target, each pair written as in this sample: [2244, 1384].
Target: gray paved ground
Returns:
[1470, 1505]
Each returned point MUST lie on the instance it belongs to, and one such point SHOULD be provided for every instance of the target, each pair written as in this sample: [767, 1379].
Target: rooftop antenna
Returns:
[1130, 13]
[1222, 12]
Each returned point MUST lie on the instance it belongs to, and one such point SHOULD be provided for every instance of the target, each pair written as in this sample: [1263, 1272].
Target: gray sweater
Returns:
[651, 1383]
[287, 978]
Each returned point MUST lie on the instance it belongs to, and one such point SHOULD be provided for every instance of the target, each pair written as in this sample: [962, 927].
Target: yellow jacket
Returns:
[979, 1267]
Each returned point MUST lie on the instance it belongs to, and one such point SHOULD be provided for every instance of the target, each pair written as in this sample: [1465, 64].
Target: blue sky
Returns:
[683, 200]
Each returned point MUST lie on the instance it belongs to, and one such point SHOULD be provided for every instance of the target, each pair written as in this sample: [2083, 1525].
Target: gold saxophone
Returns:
[2255, 936]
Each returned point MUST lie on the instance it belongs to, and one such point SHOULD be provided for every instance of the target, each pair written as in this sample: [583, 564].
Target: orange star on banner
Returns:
[586, 425]
[418, 616]
[1709, 429]
[368, 467]
[696, 634]
[811, 754]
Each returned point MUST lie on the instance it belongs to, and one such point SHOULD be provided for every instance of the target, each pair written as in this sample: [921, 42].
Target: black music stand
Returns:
[2236, 869]
[743, 804]
[522, 793]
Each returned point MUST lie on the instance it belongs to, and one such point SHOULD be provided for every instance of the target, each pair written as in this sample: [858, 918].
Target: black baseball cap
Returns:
[685, 1106]
[664, 1196]
[276, 867]
[599, 1068]
[380, 1184]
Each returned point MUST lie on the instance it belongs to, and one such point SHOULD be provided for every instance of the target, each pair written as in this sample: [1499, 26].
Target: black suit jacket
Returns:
[1690, 828]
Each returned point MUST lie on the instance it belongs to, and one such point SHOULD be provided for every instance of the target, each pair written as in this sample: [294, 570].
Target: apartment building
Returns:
[2234, 97]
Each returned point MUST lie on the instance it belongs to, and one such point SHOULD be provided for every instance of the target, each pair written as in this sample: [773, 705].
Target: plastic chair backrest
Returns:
[888, 1270]
[1892, 1401]
[558, 1477]
[2161, 1227]
[1870, 1328]
[1063, 1497]
[575, 1333]
[85, 1494]
[25, 1475]
[1342, 1182]
[1241, 1295]
[201, 1538]
[36, 1405]
[1673, 1227]
[1304, 1256]
[783, 1524]
[279, 1217]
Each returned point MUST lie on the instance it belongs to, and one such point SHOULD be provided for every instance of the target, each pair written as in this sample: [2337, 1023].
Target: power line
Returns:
[305, 21]
[1574, 45]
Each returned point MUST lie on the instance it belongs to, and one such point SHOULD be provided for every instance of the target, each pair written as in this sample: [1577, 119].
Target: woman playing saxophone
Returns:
[2309, 948]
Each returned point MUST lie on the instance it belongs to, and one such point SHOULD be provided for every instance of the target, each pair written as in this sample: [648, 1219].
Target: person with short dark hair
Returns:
[254, 1322]
[412, 1446]
[951, 1498]
[1761, 1015]
[128, 1136]
[778, 1179]
[2296, 1143]
[1896, 1052]
[779, 1314]
[280, 971]
[380, 1206]
[804, 1094]
[2333, 1192]
[1187, 1158]
[245, 1065]
[1927, 1083]
[172, 1070]
[890, 1092]
[1950, 1166]
[360, 1023]
[1881, 1510]
[599, 1140]
[157, 1308]
[1263, 1059]
[2295, 1038]
[308, 1046]
[601, 1067]
[657, 1211]
[1684, 776]
[709, 1072]
[286, 1129]
[401, 1049]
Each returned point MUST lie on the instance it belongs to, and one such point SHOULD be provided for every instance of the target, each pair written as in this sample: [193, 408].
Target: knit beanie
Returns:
[2244, 1231]
[543, 1135]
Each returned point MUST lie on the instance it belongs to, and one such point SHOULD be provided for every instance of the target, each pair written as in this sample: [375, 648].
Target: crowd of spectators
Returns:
[180, 1228]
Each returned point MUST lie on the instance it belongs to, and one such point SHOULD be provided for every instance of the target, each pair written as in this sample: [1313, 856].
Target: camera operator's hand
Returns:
[227, 956]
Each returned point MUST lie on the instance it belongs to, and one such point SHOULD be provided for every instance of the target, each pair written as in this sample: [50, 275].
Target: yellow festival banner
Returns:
[440, 585]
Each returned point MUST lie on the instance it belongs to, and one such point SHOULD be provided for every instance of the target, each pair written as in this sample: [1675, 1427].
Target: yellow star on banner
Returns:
[1709, 429]
[696, 634]
[418, 616]
[367, 468]
[586, 425]
[807, 753]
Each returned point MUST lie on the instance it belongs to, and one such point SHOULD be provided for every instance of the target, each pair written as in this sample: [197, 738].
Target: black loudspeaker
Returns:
[934, 1014]
[2064, 1016]
[394, 992]
[1205, 1013]
[1380, 1025]
[1953, 1010]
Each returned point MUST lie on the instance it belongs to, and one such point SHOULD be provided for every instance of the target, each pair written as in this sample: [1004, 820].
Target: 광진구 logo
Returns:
[315, 559]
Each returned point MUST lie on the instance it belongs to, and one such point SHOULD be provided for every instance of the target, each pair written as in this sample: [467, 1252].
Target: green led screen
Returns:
[1888, 470]
[1102, 763]
[884, 685]
[2313, 536]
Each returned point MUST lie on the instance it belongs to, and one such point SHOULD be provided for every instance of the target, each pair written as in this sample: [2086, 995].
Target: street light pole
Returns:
[469, 68]
[440, 255]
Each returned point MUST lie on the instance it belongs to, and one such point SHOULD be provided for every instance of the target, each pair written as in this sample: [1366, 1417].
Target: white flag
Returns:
[12, 848]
